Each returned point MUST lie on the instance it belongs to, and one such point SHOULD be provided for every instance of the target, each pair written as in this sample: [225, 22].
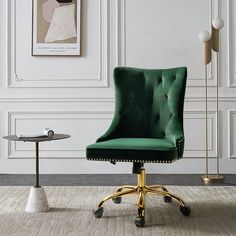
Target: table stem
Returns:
[37, 165]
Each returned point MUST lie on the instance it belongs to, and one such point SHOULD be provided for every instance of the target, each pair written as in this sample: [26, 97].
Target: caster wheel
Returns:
[167, 199]
[99, 212]
[116, 200]
[139, 221]
[185, 210]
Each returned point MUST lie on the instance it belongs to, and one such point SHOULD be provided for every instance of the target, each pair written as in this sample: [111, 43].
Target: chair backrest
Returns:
[149, 102]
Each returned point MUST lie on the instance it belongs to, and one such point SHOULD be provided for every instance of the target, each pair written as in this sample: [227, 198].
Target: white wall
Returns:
[75, 95]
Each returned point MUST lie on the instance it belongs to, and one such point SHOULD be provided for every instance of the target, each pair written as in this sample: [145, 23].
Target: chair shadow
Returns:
[213, 213]
[204, 215]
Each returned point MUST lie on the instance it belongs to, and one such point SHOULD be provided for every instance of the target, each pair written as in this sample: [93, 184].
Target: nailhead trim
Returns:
[125, 160]
[179, 144]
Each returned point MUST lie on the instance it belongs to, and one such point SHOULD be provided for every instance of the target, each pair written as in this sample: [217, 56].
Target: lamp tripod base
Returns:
[212, 178]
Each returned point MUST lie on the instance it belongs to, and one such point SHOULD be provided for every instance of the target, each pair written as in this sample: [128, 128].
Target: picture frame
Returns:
[56, 27]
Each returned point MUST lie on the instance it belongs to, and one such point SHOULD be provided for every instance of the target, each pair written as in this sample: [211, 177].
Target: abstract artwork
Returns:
[56, 27]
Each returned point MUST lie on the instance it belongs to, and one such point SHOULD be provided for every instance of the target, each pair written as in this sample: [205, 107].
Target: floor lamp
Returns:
[212, 43]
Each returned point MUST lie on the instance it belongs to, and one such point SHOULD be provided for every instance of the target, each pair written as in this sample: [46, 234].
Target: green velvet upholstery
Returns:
[148, 120]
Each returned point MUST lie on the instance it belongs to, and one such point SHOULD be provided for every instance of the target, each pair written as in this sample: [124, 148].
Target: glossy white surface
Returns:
[218, 23]
[204, 36]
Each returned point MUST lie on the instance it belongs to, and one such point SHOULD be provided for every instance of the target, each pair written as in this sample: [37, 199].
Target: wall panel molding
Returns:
[231, 8]
[224, 99]
[78, 98]
[16, 118]
[193, 81]
[120, 32]
[14, 80]
[231, 134]
[199, 151]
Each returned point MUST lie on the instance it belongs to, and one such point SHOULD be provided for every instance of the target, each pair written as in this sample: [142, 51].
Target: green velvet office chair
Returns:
[147, 127]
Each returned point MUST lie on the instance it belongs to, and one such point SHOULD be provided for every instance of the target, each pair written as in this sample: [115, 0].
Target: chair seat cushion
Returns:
[133, 149]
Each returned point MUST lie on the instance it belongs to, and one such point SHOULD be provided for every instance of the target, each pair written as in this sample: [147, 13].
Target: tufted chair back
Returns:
[149, 102]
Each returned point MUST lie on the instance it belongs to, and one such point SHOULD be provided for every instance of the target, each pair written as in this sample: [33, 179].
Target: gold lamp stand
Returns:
[212, 43]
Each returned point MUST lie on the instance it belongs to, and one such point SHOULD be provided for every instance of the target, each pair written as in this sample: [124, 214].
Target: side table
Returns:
[37, 201]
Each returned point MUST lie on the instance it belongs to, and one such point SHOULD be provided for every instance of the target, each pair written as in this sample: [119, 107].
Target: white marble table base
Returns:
[37, 201]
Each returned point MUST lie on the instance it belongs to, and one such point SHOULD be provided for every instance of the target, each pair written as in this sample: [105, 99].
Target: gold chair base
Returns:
[142, 190]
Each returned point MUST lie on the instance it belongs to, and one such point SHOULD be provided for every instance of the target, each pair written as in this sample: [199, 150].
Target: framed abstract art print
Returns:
[56, 28]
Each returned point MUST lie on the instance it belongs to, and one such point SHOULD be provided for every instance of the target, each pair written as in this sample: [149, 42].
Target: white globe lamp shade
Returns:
[218, 23]
[204, 36]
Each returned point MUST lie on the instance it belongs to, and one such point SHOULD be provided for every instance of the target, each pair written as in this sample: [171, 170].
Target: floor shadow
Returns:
[209, 218]
[62, 209]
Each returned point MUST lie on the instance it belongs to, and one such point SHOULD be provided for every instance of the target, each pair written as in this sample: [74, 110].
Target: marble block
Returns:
[37, 201]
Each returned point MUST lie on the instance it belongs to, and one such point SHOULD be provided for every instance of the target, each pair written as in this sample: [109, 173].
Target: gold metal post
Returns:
[217, 177]
[141, 178]
[205, 177]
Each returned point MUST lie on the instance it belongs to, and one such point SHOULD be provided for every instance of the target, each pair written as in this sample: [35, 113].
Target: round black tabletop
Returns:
[37, 139]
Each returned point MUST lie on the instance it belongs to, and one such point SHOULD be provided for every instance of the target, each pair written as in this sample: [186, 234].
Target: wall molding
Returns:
[231, 8]
[200, 152]
[100, 99]
[77, 81]
[121, 43]
[231, 141]
[14, 116]
[120, 32]
[55, 99]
